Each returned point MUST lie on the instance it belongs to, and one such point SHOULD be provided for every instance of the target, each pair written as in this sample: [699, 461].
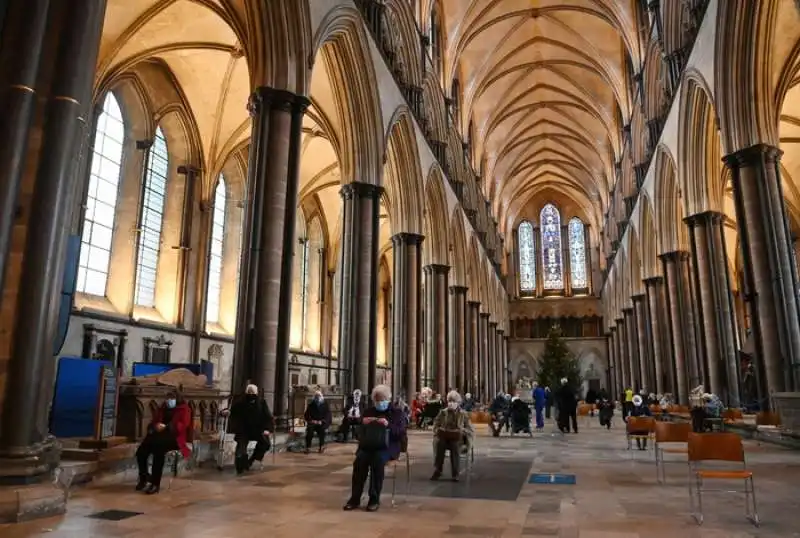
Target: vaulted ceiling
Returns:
[545, 91]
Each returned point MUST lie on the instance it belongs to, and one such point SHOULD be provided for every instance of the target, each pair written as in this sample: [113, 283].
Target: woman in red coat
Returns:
[168, 431]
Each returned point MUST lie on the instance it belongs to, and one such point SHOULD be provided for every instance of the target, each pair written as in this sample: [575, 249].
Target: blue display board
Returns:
[76, 399]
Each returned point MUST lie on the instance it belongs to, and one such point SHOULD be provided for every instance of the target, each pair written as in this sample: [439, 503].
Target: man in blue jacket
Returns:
[539, 400]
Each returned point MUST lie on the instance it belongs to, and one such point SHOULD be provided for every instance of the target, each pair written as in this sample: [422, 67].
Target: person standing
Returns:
[250, 420]
[548, 402]
[318, 419]
[567, 407]
[539, 402]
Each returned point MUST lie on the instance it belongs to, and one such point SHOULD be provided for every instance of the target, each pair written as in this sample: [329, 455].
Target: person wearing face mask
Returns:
[353, 411]
[451, 430]
[168, 431]
[250, 420]
[382, 432]
[318, 419]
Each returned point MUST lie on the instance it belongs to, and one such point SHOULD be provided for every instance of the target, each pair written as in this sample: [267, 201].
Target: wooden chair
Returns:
[635, 426]
[584, 410]
[719, 447]
[670, 434]
[731, 416]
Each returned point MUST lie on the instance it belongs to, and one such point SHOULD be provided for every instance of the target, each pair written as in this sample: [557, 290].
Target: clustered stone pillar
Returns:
[492, 345]
[622, 345]
[656, 307]
[502, 342]
[436, 324]
[715, 305]
[458, 338]
[474, 351]
[263, 323]
[770, 275]
[643, 333]
[406, 343]
[687, 374]
[609, 378]
[633, 349]
[485, 388]
[358, 329]
[45, 106]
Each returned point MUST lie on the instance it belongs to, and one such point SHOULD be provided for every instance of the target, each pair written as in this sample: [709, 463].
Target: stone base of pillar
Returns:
[29, 465]
[25, 503]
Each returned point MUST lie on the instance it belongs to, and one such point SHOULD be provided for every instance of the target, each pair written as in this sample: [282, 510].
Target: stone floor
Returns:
[616, 495]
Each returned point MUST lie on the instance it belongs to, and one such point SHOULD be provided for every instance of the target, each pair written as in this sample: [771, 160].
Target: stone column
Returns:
[622, 355]
[643, 333]
[770, 277]
[687, 375]
[633, 349]
[406, 343]
[436, 324]
[357, 314]
[458, 336]
[502, 343]
[494, 373]
[612, 362]
[485, 388]
[473, 351]
[43, 167]
[660, 352]
[261, 352]
[715, 305]
[25, 24]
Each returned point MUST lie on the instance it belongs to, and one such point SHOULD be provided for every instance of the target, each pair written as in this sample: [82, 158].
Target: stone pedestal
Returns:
[25, 503]
[788, 407]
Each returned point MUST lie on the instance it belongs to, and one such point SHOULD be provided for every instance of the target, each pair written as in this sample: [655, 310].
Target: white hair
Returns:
[454, 396]
[468, 395]
[564, 380]
[251, 389]
[637, 400]
[383, 392]
[535, 384]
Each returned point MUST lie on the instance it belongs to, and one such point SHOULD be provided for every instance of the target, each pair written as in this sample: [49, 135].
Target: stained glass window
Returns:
[527, 257]
[151, 220]
[101, 200]
[577, 254]
[215, 259]
[551, 248]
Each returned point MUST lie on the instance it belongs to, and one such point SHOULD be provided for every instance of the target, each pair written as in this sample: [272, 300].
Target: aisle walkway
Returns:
[301, 496]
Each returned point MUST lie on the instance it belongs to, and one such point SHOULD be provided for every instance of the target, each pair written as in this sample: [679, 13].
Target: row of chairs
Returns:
[700, 449]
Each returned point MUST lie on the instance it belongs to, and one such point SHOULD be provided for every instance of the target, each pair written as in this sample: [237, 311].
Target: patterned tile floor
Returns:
[616, 495]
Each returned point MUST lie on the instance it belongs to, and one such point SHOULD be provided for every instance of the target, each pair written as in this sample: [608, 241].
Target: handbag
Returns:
[450, 435]
[374, 437]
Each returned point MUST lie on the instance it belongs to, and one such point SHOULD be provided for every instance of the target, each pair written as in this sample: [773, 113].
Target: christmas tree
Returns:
[557, 362]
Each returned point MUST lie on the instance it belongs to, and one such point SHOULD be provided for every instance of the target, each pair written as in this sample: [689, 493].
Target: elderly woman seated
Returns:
[452, 431]
[383, 428]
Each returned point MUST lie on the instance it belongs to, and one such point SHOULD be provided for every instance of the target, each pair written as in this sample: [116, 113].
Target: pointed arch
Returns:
[669, 210]
[473, 274]
[403, 178]
[458, 249]
[435, 219]
[634, 263]
[551, 248]
[648, 238]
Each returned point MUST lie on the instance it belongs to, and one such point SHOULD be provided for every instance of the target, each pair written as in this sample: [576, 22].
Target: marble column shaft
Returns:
[622, 343]
[715, 305]
[54, 126]
[406, 302]
[633, 349]
[656, 310]
[485, 388]
[25, 24]
[358, 329]
[458, 337]
[502, 343]
[473, 351]
[609, 377]
[261, 351]
[436, 303]
[770, 276]
[687, 375]
[493, 373]
[643, 332]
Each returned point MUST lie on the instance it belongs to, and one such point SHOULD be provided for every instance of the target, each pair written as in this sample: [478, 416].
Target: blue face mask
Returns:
[382, 406]
[171, 403]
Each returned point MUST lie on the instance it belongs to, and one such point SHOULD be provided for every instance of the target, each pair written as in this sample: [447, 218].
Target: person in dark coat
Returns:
[640, 409]
[353, 411]
[591, 399]
[567, 407]
[372, 461]
[605, 412]
[250, 420]
[548, 402]
[170, 429]
[318, 420]
[499, 411]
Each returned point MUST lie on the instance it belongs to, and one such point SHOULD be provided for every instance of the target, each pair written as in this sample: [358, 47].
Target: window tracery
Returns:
[216, 253]
[552, 275]
[577, 253]
[527, 257]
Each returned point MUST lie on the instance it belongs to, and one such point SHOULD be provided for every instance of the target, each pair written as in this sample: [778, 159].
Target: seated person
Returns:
[376, 448]
[498, 410]
[250, 420]
[417, 405]
[431, 410]
[318, 420]
[520, 413]
[452, 430]
[167, 432]
[639, 410]
[605, 412]
[353, 411]
[469, 404]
